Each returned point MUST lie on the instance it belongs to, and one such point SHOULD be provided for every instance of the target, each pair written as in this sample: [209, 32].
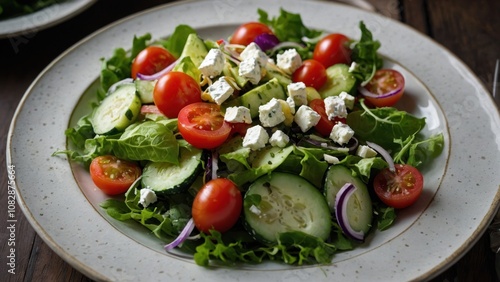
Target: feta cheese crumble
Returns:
[271, 113]
[148, 197]
[256, 138]
[365, 151]
[238, 114]
[220, 90]
[213, 63]
[306, 118]
[335, 107]
[297, 91]
[250, 70]
[279, 139]
[348, 99]
[289, 61]
[341, 133]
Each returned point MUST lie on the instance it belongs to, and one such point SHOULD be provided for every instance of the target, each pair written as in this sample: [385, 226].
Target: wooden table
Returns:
[469, 29]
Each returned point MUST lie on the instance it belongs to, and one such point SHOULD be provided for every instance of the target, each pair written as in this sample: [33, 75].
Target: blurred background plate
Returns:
[42, 19]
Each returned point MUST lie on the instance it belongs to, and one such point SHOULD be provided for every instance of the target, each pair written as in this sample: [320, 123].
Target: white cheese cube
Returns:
[213, 63]
[353, 67]
[365, 152]
[341, 133]
[331, 159]
[279, 139]
[148, 197]
[271, 113]
[298, 93]
[220, 90]
[250, 70]
[256, 138]
[238, 114]
[306, 118]
[289, 61]
[253, 51]
[291, 103]
[335, 107]
[348, 99]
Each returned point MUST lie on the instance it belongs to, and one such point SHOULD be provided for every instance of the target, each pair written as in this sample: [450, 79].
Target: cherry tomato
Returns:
[312, 73]
[401, 188]
[151, 60]
[333, 49]
[239, 128]
[385, 81]
[324, 126]
[217, 205]
[174, 91]
[202, 125]
[246, 33]
[112, 175]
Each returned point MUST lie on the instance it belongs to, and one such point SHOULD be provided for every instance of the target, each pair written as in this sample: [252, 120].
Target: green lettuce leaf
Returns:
[175, 43]
[364, 53]
[147, 140]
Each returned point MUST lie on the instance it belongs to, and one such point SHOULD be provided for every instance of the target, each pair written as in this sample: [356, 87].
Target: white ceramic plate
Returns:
[47, 17]
[461, 189]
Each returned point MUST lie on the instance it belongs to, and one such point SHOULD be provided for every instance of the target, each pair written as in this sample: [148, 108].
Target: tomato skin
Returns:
[239, 128]
[247, 32]
[401, 188]
[174, 91]
[151, 60]
[217, 205]
[333, 49]
[385, 81]
[202, 125]
[324, 126]
[112, 175]
[312, 73]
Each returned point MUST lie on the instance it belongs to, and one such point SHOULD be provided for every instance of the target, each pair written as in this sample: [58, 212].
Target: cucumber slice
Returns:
[259, 96]
[195, 49]
[283, 202]
[117, 111]
[359, 206]
[167, 178]
[145, 89]
[339, 80]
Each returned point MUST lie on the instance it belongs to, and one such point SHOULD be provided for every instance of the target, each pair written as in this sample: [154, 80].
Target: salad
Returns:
[280, 142]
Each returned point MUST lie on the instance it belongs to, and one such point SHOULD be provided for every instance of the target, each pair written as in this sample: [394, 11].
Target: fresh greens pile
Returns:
[155, 139]
[13, 8]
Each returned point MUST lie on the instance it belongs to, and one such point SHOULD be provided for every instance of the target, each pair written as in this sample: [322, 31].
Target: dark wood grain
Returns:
[469, 29]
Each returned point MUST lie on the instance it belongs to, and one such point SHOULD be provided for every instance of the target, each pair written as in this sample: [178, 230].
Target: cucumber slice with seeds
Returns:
[117, 111]
[284, 202]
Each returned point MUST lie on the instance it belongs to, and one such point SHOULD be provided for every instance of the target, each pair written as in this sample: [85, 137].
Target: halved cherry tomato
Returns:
[385, 81]
[151, 60]
[217, 205]
[333, 49]
[312, 73]
[202, 125]
[401, 188]
[174, 91]
[246, 33]
[112, 175]
[324, 126]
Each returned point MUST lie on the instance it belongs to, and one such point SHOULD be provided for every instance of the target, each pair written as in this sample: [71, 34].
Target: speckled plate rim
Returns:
[436, 218]
[26, 25]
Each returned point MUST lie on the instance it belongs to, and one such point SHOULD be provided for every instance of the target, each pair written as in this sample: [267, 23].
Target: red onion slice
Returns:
[266, 41]
[367, 93]
[341, 212]
[182, 237]
[383, 152]
[158, 74]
